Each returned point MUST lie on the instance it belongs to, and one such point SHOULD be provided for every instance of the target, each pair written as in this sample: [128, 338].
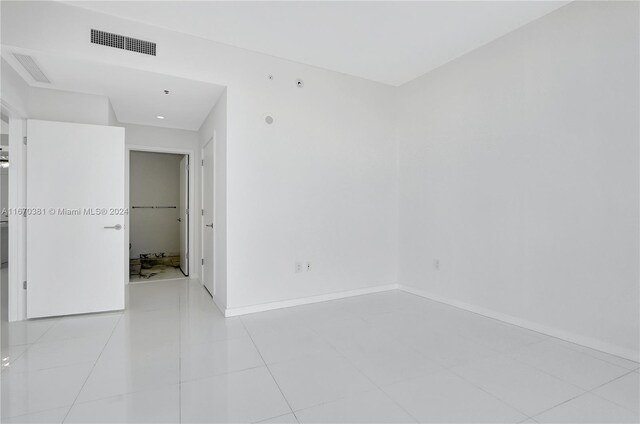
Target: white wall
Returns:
[319, 185]
[53, 105]
[519, 173]
[112, 119]
[321, 177]
[65, 106]
[167, 138]
[154, 180]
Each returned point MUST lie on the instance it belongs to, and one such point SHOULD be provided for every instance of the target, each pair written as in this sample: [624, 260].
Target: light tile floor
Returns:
[389, 358]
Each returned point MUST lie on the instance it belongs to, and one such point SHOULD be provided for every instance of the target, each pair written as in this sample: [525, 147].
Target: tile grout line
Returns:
[444, 368]
[498, 352]
[473, 312]
[268, 369]
[585, 391]
[577, 351]
[311, 329]
[220, 374]
[93, 367]
[512, 355]
[464, 338]
[363, 374]
[508, 355]
[29, 345]
[609, 382]
[277, 416]
[451, 368]
[580, 349]
[5, 368]
[511, 406]
[546, 336]
[555, 406]
[57, 320]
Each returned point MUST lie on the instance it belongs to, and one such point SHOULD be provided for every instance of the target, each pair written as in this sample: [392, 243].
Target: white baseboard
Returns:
[243, 310]
[218, 304]
[529, 325]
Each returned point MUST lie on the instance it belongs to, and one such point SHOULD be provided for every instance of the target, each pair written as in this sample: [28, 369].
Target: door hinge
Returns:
[186, 212]
[202, 261]
[187, 168]
[24, 285]
[187, 255]
[24, 140]
[202, 212]
[202, 162]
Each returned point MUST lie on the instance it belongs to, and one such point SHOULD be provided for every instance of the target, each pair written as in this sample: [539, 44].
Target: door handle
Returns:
[114, 227]
[179, 219]
[209, 225]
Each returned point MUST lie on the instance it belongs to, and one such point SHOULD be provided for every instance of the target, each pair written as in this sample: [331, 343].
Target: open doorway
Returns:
[159, 216]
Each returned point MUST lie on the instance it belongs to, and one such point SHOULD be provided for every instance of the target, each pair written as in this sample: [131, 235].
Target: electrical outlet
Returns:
[436, 264]
[298, 267]
[307, 266]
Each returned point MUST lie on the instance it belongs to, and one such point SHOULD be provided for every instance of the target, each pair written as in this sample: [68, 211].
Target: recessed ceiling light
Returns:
[160, 117]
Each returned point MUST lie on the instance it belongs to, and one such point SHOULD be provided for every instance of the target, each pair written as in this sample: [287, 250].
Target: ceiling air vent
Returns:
[123, 42]
[30, 65]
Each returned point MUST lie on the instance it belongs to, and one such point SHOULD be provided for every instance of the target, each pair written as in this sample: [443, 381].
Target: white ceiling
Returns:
[136, 96]
[387, 41]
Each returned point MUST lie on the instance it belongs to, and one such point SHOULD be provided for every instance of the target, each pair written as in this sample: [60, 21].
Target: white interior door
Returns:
[4, 218]
[75, 204]
[207, 217]
[183, 220]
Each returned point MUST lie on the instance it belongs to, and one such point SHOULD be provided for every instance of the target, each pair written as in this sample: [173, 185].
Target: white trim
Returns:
[213, 216]
[17, 269]
[216, 302]
[17, 302]
[12, 111]
[192, 186]
[243, 310]
[530, 325]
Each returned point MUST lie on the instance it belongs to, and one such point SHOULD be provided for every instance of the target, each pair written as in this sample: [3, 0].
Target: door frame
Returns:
[17, 269]
[191, 181]
[188, 209]
[213, 215]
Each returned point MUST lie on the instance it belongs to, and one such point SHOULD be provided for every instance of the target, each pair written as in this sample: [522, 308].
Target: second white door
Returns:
[183, 220]
[207, 217]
